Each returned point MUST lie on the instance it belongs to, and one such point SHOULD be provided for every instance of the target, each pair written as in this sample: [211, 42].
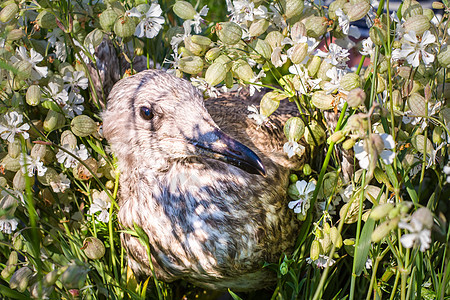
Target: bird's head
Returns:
[154, 116]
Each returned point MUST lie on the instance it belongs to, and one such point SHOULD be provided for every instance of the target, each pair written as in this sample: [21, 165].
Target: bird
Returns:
[203, 181]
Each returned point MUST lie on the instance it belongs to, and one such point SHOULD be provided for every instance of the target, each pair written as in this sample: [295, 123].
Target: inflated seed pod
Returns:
[419, 24]
[322, 100]
[316, 26]
[294, 128]
[191, 64]
[258, 27]
[293, 8]
[8, 12]
[350, 81]
[83, 125]
[33, 96]
[411, 8]
[243, 70]
[124, 27]
[53, 120]
[46, 20]
[93, 248]
[384, 229]
[215, 73]
[107, 19]
[229, 33]
[20, 279]
[381, 211]
[184, 10]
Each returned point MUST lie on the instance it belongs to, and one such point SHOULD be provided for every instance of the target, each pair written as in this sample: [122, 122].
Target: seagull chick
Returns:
[214, 209]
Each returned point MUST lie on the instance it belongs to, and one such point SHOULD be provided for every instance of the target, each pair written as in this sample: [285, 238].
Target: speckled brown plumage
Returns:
[208, 222]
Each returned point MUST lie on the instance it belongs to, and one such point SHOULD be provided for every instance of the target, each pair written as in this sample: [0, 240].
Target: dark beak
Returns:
[218, 145]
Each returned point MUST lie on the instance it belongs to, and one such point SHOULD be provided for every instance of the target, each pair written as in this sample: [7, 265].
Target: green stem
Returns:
[374, 272]
[394, 288]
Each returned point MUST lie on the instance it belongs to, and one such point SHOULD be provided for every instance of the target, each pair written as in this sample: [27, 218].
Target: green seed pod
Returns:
[325, 242]
[212, 54]
[293, 8]
[417, 104]
[411, 8]
[19, 182]
[437, 5]
[263, 48]
[107, 19]
[124, 27]
[322, 72]
[20, 279]
[50, 176]
[336, 137]
[444, 56]
[356, 11]
[315, 134]
[13, 258]
[10, 164]
[9, 12]
[93, 248]
[307, 170]
[314, 65]
[194, 48]
[33, 96]
[14, 148]
[322, 100]
[40, 291]
[53, 120]
[8, 271]
[94, 38]
[243, 70]
[335, 5]
[215, 73]
[274, 39]
[225, 60]
[356, 97]
[419, 24]
[381, 211]
[201, 40]
[38, 150]
[46, 20]
[336, 237]
[191, 64]
[229, 33]
[23, 69]
[384, 229]
[68, 138]
[419, 142]
[258, 27]
[293, 178]
[294, 128]
[316, 26]
[437, 135]
[269, 104]
[83, 125]
[378, 33]
[315, 250]
[184, 10]
[429, 13]
[348, 144]
[350, 81]
[299, 52]
[74, 276]
[14, 35]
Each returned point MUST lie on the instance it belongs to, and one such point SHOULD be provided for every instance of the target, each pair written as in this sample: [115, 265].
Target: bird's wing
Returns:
[230, 112]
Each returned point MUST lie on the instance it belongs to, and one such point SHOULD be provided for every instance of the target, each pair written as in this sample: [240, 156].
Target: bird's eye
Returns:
[146, 113]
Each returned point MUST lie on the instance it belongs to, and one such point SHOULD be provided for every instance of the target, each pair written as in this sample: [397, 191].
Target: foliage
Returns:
[374, 127]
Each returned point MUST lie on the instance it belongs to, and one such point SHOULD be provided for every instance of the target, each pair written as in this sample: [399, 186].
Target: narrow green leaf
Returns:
[235, 297]
[364, 246]
[7, 292]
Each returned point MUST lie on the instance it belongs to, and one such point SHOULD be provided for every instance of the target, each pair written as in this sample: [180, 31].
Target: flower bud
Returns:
[299, 52]
[258, 27]
[124, 27]
[384, 229]
[437, 5]
[294, 128]
[263, 48]
[411, 8]
[8, 12]
[14, 35]
[322, 100]
[68, 138]
[293, 8]
[378, 33]
[269, 104]
[381, 211]
[314, 252]
[184, 10]
[46, 20]
[243, 70]
[307, 170]
[348, 144]
[356, 97]
[8, 271]
[194, 48]
[212, 54]
[356, 11]
[53, 120]
[316, 26]
[336, 137]
[191, 64]
[215, 73]
[419, 24]
[73, 276]
[314, 65]
[20, 279]
[107, 19]
[417, 104]
[325, 242]
[14, 148]
[437, 135]
[293, 178]
[12, 259]
[93, 248]
[83, 125]
[274, 39]
[336, 237]
[350, 81]
[33, 96]
[315, 134]
[229, 33]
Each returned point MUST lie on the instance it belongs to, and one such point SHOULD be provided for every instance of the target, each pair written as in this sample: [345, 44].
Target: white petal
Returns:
[387, 156]
[388, 140]
[408, 240]
[427, 38]
[301, 185]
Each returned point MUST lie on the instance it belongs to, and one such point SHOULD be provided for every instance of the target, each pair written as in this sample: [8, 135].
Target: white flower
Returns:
[368, 263]
[292, 148]
[151, 24]
[413, 50]
[198, 19]
[307, 84]
[335, 75]
[420, 233]
[32, 165]
[305, 192]
[346, 193]
[73, 105]
[337, 56]
[322, 262]
[244, 10]
[278, 59]
[101, 203]
[175, 62]
[177, 39]
[68, 160]
[60, 184]
[386, 155]
[34, 58]
[259, 118]
[257, 79]
[447, 172]
[75, 80]
[12, 126]
[368, 47]
[299, 39]
[344, 21]
[205, 87]
[8, 226]
[409, 117]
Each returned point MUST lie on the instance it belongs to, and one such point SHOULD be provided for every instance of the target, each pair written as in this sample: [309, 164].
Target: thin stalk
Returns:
[374, 272]
[397, 277]
[358, 231]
